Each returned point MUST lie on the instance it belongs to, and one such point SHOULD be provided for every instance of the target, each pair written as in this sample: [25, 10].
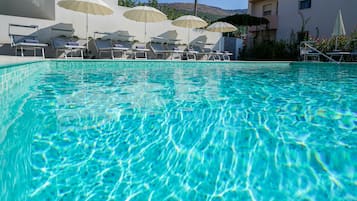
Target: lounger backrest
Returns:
[125, 44]
[20, 38]
[60, 42]
[156, 47]
[18, 35]
[172, 47]
[197, 48]
[206, 49]
[100, 43]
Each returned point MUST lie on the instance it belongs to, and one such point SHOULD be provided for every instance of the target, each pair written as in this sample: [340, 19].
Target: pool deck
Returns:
[16, 59]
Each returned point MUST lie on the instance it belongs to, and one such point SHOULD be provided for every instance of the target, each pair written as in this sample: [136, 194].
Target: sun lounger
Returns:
[68, 46]
[339, 55]
[174, 52]
[226, 56]
[207, 53]
[66, 43]
[166, 51]
[307, 52]
[26, 42]
[158, 49]
[106, 45]
[140, 51]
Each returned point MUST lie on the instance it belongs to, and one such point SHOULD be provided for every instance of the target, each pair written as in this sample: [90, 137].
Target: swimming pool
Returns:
[144, 130]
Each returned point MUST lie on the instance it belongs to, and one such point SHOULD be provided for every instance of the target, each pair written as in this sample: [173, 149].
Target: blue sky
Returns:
[225, 4]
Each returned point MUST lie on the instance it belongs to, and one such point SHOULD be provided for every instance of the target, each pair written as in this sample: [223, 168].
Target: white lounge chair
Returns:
[158, 49]
[66, 42]
[140, 51]
[207, 53]
[166, 51]
[106, 45]
[26, 42]
[68, 46]
[226, 55]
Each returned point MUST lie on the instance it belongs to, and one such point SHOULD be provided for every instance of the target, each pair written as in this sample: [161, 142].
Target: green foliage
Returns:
[303, 21]
[171, 13]
[153, 3]
[272, 50]
[326, 45]
[127, 3]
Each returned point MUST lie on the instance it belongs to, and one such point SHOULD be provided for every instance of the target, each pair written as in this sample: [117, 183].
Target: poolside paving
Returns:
[16, 59]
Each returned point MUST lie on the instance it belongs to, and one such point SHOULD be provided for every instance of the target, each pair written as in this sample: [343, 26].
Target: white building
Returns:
[286, 16]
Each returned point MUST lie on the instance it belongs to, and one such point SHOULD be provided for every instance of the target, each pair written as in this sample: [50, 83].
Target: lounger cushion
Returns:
[31, 41]
[118, 45]
[71, 43]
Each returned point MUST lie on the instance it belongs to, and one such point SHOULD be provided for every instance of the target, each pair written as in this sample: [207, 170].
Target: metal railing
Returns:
[307, 46]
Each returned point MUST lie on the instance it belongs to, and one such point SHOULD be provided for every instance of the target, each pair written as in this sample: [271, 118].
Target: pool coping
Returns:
[174, 61]
[138, 60]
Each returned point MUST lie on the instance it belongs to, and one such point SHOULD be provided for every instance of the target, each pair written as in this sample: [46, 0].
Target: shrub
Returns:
[272, 50]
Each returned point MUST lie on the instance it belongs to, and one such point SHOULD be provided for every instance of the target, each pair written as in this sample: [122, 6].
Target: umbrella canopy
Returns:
[145, 14]
[221, 27]
[94, 7]
[189, 21]
[339, 28]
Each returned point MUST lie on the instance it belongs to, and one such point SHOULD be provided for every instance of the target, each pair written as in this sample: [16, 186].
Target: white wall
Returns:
[257, 9]
[112, 23]
[323, 15]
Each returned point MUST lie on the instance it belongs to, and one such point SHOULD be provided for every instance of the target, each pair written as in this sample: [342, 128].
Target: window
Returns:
[303, 4]
[267, 9]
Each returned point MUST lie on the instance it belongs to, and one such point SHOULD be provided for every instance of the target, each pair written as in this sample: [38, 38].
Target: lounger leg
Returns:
[22, 51]
[15, 51]
[124, 55]
[34, 52]
[43, 52]
[82, 53]
[112, 52]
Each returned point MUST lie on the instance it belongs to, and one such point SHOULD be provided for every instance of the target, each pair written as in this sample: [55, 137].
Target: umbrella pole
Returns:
[188, 38]
[87, 31]
[145, 34]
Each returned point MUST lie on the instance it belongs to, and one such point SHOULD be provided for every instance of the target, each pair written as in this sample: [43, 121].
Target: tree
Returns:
[153, 3]
[126, 3]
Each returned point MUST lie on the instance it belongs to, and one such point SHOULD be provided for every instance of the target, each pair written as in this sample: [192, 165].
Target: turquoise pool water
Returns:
[178, 131]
